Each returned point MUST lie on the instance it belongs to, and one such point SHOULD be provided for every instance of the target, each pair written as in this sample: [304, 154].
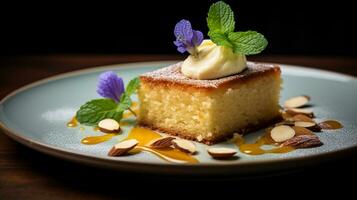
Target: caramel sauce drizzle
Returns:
[144, 136]
[255, 148]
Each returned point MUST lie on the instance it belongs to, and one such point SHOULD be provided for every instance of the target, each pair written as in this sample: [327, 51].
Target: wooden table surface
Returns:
[28, 174]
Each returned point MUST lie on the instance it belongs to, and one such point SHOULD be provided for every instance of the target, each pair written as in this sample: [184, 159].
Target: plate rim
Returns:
[153, 167]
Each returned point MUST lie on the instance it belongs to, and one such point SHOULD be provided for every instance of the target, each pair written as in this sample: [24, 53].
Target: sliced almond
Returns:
[303, 141]
[309, 125]
[221, 153]
[109, 126]
[123, 147]
[296, 111]
[160, 143]
[282, 133]
[296, 102]
[305, 124]
[302, 118]
[184, 146]
[302, 131]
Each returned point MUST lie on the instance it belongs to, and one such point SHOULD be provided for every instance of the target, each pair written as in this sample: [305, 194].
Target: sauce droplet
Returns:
[97, 139]
[73, 123]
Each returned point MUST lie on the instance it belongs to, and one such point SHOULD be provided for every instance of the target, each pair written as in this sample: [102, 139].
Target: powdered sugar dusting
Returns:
[173, 74]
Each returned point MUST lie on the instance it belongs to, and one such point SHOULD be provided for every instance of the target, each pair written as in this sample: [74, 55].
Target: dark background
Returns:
[134, 27]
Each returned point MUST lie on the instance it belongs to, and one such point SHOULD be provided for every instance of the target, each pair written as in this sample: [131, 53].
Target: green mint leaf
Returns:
[220, 39]
[248, 42]
[132, 86]
[221, 24]
[125, 100]
[92, 112]
[220, 18]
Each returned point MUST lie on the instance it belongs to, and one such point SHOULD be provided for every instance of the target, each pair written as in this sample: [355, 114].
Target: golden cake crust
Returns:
[172, 77]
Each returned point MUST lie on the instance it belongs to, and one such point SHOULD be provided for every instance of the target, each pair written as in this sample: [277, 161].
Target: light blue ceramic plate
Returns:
[36, 116]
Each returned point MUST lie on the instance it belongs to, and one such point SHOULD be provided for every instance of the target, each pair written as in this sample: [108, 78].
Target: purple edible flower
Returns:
[110, 85]
[187, 39]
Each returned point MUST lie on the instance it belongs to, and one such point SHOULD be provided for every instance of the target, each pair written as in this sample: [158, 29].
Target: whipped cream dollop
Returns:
[213, 62]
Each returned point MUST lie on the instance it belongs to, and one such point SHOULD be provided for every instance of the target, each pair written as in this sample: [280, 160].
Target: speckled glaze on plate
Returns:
[36, 116]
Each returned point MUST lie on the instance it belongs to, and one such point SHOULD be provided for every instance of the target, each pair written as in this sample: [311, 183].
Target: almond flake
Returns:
[184, 145]
[296, 111]
[123, 147]
[282, 133]
[296, 102]
[160, 143]
[109, 126]
[309, 125]
[303, 141]
[305, 124]
[221, 153]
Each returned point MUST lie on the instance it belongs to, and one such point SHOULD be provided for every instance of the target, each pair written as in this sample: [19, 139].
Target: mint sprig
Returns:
[221, 24]
[92, 112]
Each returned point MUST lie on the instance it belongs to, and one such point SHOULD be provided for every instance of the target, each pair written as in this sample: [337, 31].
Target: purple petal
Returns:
[183, 31]
[181, 49]
[110, 85]
[197, 38]
[179, 43]
[180, 46]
